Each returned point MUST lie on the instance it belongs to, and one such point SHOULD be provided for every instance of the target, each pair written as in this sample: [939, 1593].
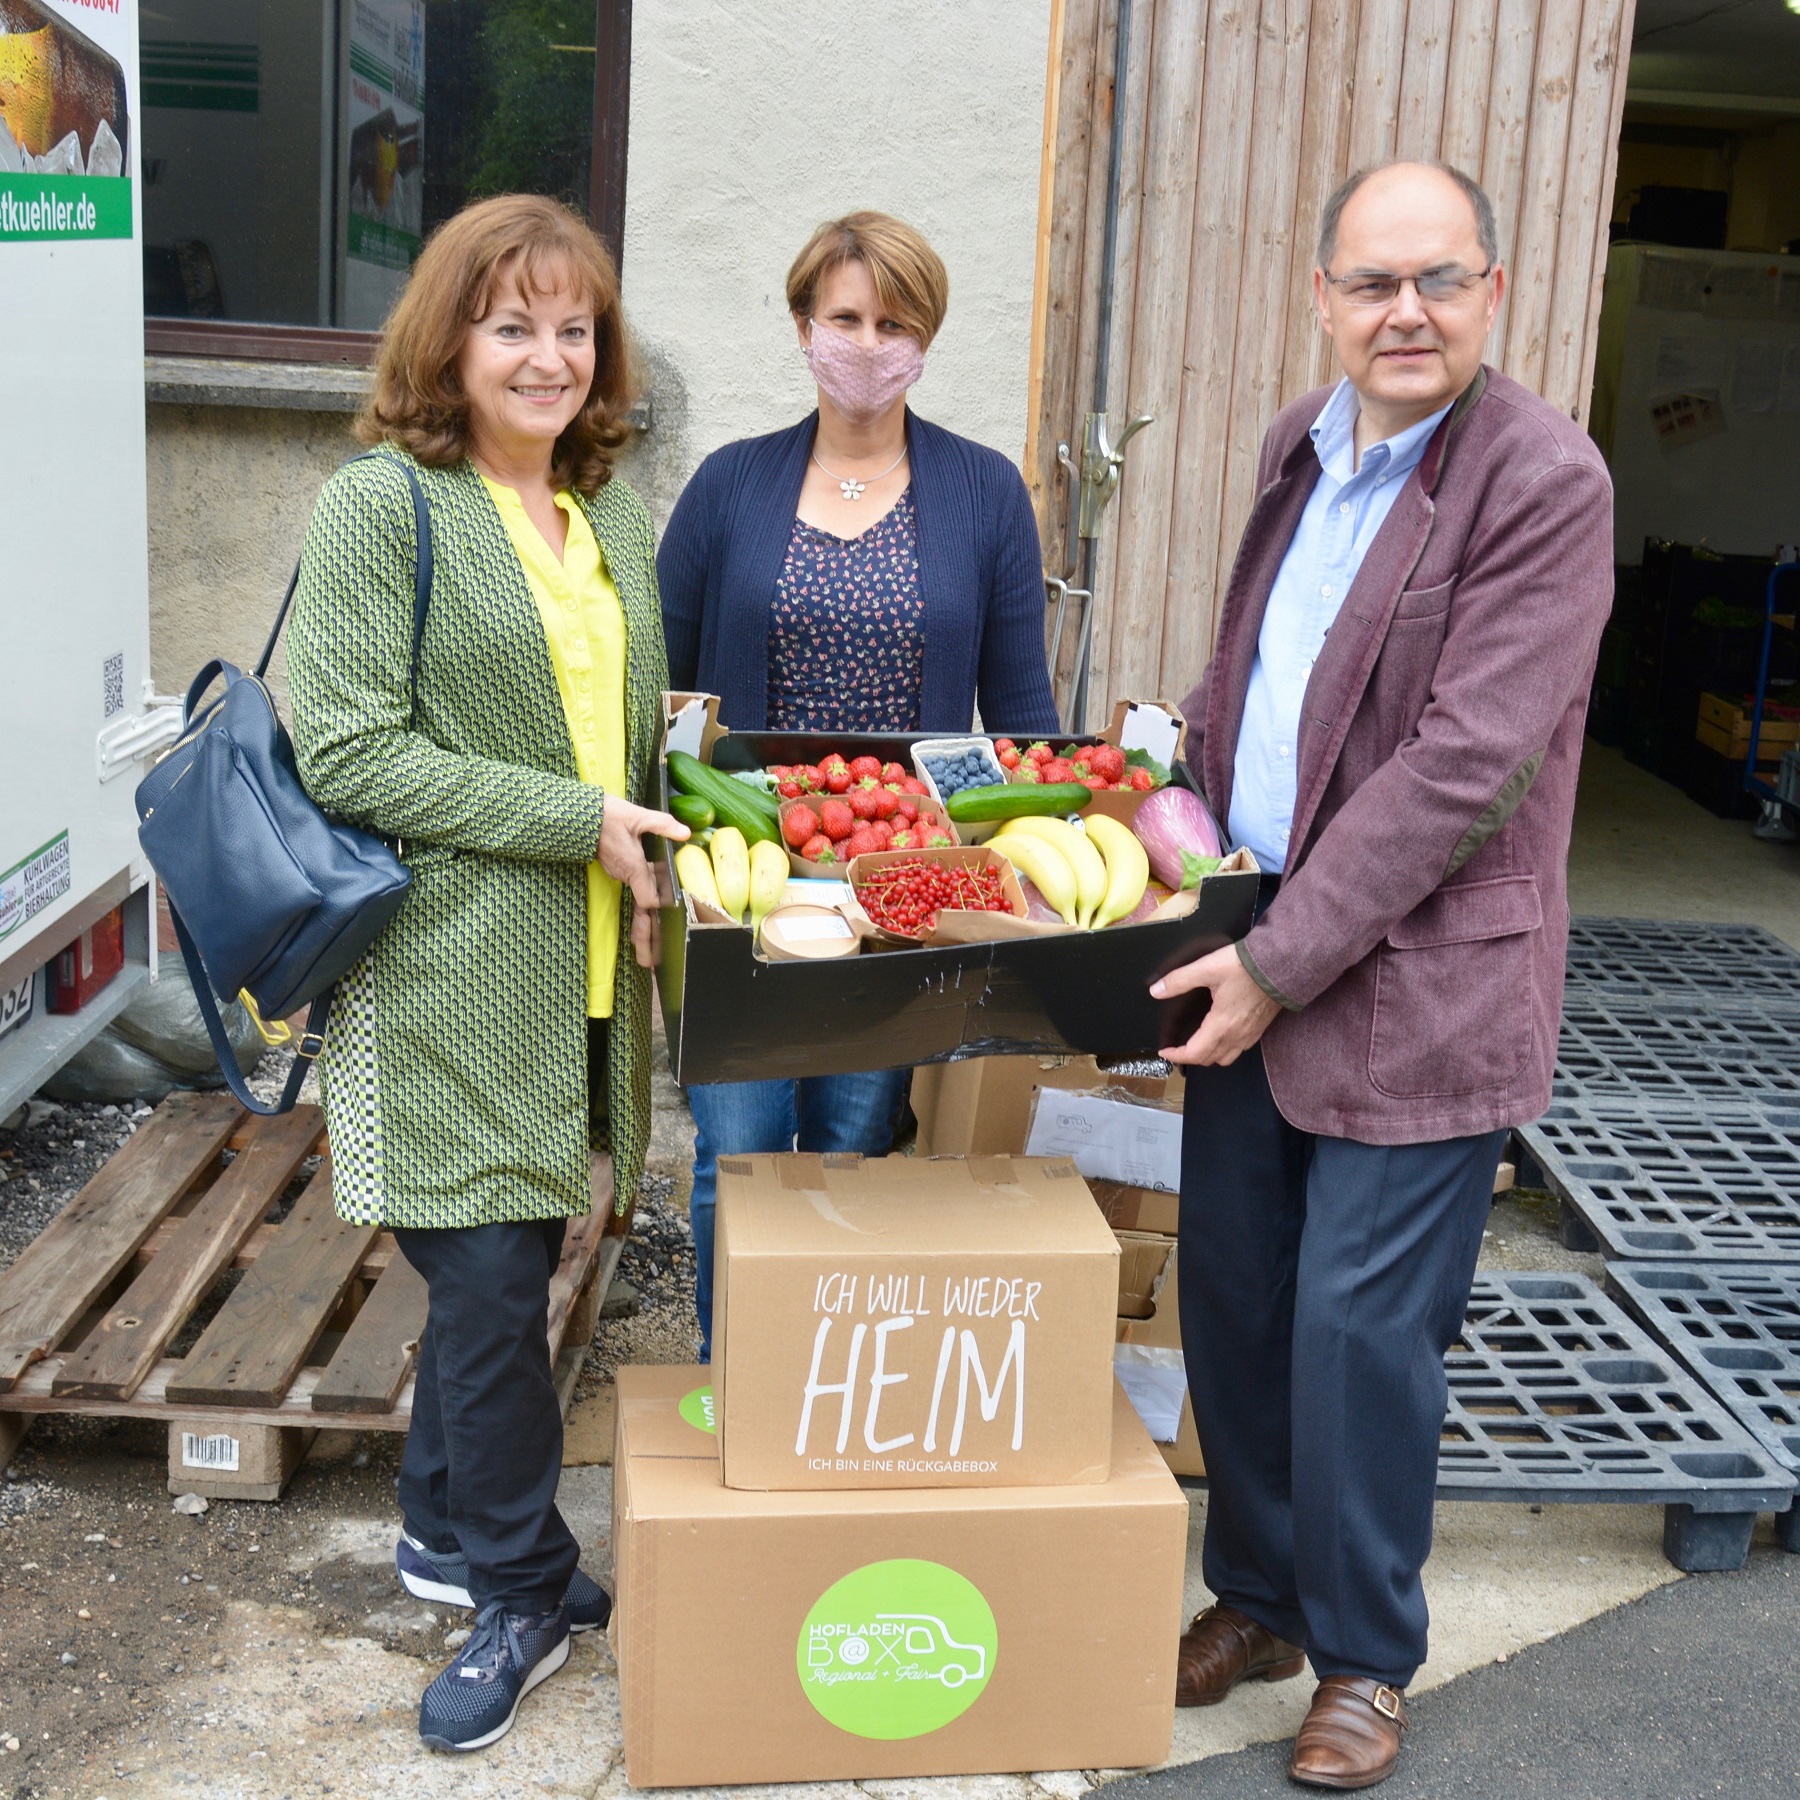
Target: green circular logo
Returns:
[897, 1649]
[697, 1409]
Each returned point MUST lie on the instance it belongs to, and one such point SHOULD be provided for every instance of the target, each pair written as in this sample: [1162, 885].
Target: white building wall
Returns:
[753, 123]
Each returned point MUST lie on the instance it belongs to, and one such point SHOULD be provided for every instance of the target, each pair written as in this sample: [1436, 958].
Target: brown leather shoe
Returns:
[1351, 1738]
[1223, 1647]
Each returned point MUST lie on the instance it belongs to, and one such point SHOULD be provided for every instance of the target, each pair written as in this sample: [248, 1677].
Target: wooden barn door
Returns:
[1241, 116]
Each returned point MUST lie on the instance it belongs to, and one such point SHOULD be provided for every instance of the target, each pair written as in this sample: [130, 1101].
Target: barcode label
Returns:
[208, 1452]
[112, 686]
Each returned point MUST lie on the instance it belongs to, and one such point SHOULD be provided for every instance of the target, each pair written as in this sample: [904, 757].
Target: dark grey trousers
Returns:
[1322, 1282]
[484, 1454]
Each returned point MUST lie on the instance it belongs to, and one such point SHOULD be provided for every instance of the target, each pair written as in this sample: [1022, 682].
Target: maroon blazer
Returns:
[1417, 942]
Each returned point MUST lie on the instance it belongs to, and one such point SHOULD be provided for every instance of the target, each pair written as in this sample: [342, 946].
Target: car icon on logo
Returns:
[939, 1655]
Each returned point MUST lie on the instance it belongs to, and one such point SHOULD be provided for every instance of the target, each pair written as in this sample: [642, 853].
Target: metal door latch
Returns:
[1098, 472]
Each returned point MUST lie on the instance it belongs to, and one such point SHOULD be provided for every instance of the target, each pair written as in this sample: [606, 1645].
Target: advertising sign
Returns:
[65, 121]
[74, 601]
[385, 215]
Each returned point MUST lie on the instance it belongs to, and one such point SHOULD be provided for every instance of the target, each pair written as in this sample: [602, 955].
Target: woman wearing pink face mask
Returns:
[861, 571]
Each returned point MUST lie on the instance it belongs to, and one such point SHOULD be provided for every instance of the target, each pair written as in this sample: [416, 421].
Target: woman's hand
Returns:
[621, 855]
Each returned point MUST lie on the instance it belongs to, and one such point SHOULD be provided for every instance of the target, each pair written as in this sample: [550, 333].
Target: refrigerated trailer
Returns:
[77, 713]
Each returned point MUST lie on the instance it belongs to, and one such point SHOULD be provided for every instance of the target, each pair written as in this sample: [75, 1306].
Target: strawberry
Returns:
[862, 842]
[1056, 769]
[887, 802]
[1002, 745]
[936, 840]
[837, 779]
[862, 803]
[1092, 782]
[866, 768]
[1009, 758]
[1039, 752]
[790, 790]
[892, 773]
[836, 820]
[819, 850]
[798, 826]
[906, 810]
[903, 840]
[811, 779]
[913, 785]
[1030, 771]
[883, 830]
[1141, 781]
[1080, 768]
[1107, 761]
[831, 760]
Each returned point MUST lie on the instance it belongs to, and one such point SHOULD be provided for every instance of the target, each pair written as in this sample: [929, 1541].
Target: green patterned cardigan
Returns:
[455, 1067]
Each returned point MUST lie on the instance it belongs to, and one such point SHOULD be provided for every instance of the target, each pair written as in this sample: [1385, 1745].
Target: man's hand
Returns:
[621, 855]
[1240, 1013]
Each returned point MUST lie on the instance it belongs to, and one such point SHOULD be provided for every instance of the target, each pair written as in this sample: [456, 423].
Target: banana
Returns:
[731, 869]
[1083, 858]
[695, 871]
[1043, 864]
[1127, 868]
[768, 879]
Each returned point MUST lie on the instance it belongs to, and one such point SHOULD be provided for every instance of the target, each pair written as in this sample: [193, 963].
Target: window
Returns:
[297, 152]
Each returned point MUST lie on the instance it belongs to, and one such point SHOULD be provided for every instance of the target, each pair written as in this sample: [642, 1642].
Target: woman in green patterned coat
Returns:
[503, 1018]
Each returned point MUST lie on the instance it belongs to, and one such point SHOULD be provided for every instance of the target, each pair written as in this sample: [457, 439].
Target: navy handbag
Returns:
[272, 902]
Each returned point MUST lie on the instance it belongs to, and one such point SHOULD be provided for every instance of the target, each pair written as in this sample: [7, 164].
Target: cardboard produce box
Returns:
[1148, 1363]
[902, 1322]
[768, 1637]
[982, 1105]
[732, 1016]
[1128, 1208]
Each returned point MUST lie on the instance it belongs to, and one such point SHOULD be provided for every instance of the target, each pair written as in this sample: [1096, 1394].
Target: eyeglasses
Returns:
[1374, 287]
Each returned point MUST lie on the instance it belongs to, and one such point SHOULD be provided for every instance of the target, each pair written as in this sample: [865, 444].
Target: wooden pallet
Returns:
[322, 1330]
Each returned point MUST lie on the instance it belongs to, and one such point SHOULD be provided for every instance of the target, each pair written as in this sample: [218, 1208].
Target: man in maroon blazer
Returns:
[1392, 720]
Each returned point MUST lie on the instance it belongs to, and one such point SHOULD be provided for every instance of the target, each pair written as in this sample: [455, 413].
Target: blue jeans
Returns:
[741, 1118]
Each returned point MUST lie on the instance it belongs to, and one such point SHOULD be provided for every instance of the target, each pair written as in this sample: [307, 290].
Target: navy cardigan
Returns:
[980, 572]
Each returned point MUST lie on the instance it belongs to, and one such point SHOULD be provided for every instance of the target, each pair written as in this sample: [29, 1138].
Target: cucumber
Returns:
[1017, 800]
[695, 813]
[731, 801]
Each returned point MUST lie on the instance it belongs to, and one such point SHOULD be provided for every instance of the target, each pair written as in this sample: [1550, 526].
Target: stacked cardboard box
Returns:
[1123, 1131]
[855, 1546]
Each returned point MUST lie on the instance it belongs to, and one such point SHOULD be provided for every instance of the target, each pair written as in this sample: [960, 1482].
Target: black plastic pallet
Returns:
[1675, 1049]
[1738, 1329]
[1557, 1395]
[1739, 967]
[1640, 1179]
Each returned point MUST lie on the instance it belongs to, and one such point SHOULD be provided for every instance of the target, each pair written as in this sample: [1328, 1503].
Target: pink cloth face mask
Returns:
[861, 381]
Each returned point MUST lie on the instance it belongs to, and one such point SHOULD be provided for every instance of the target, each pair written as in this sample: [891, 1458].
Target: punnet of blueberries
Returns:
[963, 769]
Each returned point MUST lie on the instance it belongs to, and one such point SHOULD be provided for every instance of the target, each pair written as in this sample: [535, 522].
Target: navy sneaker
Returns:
[473, 1702]
[444, 1579]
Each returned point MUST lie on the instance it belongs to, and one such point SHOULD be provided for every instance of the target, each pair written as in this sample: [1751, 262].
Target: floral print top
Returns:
[847, 632]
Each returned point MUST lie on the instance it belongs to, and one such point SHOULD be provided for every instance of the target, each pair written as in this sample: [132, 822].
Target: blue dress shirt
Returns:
[1346, 510]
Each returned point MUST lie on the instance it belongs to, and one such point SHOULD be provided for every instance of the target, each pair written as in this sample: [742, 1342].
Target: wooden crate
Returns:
[322, 1329]
[1724, 726]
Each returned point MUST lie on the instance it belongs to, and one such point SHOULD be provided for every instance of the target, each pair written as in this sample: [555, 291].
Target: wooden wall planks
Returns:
[1241, 116]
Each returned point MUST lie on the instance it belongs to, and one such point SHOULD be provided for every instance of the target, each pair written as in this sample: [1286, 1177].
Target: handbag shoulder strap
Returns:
[421, 579]
[312, 1039]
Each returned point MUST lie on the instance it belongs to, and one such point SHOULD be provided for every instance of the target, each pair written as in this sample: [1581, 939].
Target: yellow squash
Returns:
[731, 869]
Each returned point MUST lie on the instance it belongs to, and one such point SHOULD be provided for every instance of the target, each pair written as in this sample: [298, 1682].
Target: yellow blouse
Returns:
[585, 624]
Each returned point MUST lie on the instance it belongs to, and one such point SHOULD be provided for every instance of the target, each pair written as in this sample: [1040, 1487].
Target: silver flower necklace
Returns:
[849, 486]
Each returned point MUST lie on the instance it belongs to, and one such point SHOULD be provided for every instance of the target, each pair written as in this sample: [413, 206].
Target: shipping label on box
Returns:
[1150, 1366]
[901, 1322]
[1109, 1138]
[768, 1637]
